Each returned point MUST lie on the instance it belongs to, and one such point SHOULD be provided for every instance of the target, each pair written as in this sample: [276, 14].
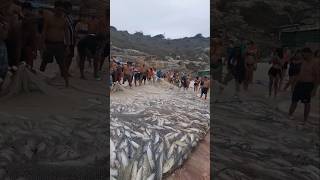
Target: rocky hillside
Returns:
[192, 48]
[259, 19]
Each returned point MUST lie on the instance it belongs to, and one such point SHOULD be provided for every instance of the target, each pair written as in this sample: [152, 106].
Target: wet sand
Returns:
[254, 138]
[197, 166]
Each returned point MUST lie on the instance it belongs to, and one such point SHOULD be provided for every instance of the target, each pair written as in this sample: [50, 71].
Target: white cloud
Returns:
[175, 18]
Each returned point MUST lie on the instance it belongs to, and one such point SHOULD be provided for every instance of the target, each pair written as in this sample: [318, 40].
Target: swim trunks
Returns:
[274, 72]
[204, 90]
[302, 92]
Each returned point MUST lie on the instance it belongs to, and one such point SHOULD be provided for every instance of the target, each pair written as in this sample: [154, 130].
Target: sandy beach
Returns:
[253, 137]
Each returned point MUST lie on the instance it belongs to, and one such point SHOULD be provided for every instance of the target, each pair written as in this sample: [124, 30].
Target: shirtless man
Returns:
[205, 87]
[95, 45]
[143, 71]
[306, 81]
[54, 36]
[137, 75]
[126, 75]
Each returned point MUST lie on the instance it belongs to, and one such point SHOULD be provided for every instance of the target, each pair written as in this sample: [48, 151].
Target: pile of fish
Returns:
[57, 139]
[153, 133]
[253, 140]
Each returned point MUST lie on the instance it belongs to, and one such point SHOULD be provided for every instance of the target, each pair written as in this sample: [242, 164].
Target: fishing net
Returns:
[24, 81]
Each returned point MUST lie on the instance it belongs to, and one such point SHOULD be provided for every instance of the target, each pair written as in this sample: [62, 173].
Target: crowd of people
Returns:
[183, 80]
[137, 74]
[55, 33]
[301, 65]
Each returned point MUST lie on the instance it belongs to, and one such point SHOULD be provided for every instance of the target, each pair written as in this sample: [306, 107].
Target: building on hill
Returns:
[296, 35]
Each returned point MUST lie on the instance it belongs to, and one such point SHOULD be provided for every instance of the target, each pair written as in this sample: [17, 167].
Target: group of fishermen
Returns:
[138, 73]
[241, 59]
[182, 80]
[26, 30]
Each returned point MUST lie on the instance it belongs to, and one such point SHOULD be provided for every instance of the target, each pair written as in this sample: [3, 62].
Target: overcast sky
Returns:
[174, 18]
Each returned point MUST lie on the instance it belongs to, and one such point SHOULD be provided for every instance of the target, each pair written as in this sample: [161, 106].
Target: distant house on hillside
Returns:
[299, 35]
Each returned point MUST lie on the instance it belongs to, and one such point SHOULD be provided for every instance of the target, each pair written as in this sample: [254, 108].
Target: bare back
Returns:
[206, 84]
[308, 72]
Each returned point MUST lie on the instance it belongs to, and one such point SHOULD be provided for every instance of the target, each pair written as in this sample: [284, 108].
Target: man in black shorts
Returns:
[305, 83]
[143, 75]
[91, 46]
[205, 88]
[54, 36]
[136, 75]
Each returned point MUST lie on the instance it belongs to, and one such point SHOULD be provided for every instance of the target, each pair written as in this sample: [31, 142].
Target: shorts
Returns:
[127, 77]
[285, 66]
[71, 51]
[144, 77]
[302, 92]
[106, 51]
[113, 76]
[137, 76]
[204, 90]
[293, 72]
[28, 55]
[274, 72]
[56, 50]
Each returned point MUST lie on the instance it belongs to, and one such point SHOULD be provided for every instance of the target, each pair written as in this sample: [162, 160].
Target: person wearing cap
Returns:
[306, 82]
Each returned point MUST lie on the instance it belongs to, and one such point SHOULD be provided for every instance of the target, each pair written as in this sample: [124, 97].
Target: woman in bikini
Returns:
[275, 72]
